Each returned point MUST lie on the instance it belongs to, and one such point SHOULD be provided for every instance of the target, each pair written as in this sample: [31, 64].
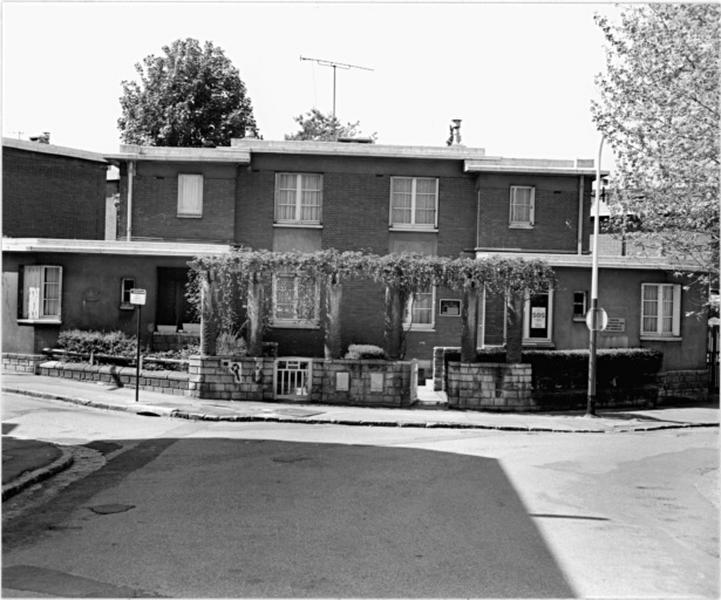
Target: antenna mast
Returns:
[335, 65]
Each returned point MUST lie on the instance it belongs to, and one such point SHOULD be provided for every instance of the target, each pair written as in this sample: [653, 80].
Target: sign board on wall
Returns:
[538, 317]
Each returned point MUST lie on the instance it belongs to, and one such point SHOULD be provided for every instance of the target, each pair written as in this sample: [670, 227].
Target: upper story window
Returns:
[296, 301]
[41, 293]
[190, 195]
[419, 313]
[414, 203]
[298, 198]
[660, 310]
[522, 207]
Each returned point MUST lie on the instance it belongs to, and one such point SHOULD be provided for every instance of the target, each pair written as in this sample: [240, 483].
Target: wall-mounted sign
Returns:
[616, 325]
[449, 308]
[137, 296]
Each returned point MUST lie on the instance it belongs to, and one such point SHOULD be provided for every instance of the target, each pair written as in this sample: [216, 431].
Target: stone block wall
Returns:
[490, 386]
[22, 363]
[167, 382]
[343, 382]
[439, 365]
[688, 385]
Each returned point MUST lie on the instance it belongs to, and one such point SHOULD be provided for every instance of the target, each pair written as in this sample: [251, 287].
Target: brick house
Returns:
[179, 202]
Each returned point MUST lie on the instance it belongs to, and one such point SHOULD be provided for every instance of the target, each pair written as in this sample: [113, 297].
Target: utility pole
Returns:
[335, 65]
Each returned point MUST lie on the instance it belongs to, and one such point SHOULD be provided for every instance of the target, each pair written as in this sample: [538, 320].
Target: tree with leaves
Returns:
[191, 95]
[659, 110]
[319, 127]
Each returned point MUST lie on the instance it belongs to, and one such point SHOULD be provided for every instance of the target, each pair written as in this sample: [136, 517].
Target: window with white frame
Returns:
[42, 288]
[538, 318]
[298, 198]
[296, 301]
[126, 284]
[522, 206]
[660, 310]
[579, 305]
[190, 195]
[414, 202]
[419, 312]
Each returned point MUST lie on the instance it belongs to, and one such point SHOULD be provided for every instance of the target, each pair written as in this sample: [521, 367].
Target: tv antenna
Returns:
[335, 65]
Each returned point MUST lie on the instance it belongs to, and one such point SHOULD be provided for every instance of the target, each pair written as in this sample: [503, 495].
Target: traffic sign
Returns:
[596, 319]
[137, 296]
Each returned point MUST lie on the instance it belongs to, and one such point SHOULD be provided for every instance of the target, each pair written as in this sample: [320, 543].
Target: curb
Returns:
[32, 477]
[149, 410]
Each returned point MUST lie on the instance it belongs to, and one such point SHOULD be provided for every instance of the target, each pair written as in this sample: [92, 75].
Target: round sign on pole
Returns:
[596, 319]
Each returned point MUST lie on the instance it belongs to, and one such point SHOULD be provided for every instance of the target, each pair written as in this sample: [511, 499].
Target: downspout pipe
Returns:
[129, 220]
[579, 240]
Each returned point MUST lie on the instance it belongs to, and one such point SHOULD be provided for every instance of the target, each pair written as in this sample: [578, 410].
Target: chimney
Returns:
[44, 138]
[455, 137]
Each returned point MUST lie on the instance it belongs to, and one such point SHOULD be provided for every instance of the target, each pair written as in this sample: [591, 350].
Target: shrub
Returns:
[230, 343]
[115, 343]
[365, 351]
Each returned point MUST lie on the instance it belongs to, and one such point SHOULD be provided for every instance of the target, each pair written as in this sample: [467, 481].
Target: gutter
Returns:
[579, 245]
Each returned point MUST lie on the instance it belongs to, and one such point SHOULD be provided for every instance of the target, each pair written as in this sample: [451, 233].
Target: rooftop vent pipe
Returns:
[455, 136]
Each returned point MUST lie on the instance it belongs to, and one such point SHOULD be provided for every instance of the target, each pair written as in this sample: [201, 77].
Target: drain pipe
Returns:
[579, 244]
[129, 223]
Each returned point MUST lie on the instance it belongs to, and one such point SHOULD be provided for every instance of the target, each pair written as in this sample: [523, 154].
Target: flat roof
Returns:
[167, 153]
[53, 149]
[116, 247]
[585, 260]
[241, 150]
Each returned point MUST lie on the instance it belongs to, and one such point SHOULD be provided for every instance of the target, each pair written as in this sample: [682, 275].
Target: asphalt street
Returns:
[191, 509]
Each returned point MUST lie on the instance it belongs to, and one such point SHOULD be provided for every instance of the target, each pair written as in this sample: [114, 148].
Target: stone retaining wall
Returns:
[690, 385]
[343, 382]
[490, 386]
[167, 382]
[22, 363]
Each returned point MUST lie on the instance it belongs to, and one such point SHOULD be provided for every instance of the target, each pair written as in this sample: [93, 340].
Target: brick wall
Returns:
[46, 195]
[488, 386]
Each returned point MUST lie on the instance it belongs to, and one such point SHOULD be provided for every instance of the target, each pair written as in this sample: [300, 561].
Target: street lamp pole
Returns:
[593, 334]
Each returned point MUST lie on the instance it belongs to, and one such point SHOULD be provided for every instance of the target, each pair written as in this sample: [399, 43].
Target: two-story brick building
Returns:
[449, 201]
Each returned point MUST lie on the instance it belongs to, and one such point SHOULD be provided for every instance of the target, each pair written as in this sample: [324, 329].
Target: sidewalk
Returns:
[26, 459]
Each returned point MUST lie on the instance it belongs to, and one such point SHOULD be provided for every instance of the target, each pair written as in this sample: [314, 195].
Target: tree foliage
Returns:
[319, 127]
[189, 96]
[659, 110]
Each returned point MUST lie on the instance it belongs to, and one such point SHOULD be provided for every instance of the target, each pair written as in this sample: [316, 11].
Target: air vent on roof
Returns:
[43, 138]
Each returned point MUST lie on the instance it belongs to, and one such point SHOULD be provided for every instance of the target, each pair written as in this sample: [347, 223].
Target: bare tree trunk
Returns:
[394, 323]
[256, 294]
[334, 294]
[469, 324]
[514, 328]
[208, 318]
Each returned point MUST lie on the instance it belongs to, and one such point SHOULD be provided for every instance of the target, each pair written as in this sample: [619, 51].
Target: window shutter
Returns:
[676, 327]
[32, 291]
[532, 206]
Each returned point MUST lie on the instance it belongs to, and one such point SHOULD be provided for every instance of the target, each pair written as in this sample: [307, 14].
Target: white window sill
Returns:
[189, 216]
[579, 319]
[127, 306]
[537, 343]
[520, 226]
[39, 321]
[423, 328]
[661, 338]
[413, 228]
[299, 225]
[295, 325]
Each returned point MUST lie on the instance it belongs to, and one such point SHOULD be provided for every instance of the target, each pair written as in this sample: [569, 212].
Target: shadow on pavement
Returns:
[261, 518]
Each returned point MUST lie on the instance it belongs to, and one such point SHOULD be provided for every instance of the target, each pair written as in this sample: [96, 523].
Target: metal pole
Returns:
[334, 70]
[137, 357]
[593, 335]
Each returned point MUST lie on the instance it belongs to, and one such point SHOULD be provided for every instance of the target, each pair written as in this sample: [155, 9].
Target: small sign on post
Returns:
[596, 319]
[137, 299]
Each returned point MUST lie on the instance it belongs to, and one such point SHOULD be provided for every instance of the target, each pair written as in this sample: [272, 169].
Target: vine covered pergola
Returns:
[221, 285]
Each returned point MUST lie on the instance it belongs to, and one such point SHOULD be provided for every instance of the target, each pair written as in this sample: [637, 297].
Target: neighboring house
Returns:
[306, 196]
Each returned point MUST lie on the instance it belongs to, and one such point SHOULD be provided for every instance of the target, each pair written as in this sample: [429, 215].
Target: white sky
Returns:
[519, 75]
